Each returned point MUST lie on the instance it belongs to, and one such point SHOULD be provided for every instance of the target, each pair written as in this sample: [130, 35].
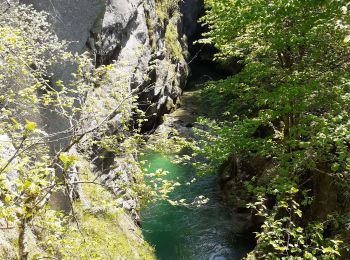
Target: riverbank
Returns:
[209, 231]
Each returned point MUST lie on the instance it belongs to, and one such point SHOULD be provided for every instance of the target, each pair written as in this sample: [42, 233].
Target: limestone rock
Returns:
[129, 36]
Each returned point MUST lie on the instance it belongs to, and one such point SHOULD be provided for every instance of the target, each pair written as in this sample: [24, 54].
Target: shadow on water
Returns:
[178, 232]
[211, 231]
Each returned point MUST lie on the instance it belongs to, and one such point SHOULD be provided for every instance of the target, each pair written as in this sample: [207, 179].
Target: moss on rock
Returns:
[101, 230]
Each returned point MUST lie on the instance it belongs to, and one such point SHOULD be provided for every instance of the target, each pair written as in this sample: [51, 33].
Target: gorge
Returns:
[213, 230]
[167, 129]
[147, 44]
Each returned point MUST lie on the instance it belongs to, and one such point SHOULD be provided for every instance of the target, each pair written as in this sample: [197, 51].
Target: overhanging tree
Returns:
[290, 105]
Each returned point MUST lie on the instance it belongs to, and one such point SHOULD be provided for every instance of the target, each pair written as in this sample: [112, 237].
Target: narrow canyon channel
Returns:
[211, 231]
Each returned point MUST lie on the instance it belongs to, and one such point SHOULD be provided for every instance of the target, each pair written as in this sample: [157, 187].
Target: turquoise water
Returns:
[179, 232]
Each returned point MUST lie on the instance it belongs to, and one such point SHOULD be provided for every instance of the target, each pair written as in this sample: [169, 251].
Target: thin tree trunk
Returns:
[22, 241]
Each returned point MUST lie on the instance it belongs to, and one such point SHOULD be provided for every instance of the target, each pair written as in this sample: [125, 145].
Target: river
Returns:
[210, 231]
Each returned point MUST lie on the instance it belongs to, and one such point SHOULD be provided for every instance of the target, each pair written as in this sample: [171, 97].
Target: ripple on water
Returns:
[184, 233]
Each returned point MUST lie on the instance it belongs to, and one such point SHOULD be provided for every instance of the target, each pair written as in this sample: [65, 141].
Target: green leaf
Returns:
[335, 167]
[30, 126]
[15, 122]
[329, 250]
[64, 158]
[299, 213]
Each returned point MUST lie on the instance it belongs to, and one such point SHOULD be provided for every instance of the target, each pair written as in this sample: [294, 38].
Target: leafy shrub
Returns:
[37, 163]
[289, 105]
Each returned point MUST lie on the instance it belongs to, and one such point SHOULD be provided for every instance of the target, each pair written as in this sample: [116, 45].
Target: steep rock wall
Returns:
[147, 51]
[130, 35]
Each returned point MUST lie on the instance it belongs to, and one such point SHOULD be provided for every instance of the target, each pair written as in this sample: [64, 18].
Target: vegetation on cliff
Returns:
[36, 164]
[290, 107]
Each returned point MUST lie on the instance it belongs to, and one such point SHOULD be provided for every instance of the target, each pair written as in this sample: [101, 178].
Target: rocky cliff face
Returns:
[142, 40]
[145, 43]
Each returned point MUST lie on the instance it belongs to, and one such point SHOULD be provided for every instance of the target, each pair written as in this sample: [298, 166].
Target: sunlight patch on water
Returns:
[177, 232]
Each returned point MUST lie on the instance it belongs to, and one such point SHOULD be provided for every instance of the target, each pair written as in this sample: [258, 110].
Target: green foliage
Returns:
[172, 41]
[102, 233]
[289, 105]
[283, 235]
[32, 167]
[166, 9]
[27, 50]
[169, 15]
